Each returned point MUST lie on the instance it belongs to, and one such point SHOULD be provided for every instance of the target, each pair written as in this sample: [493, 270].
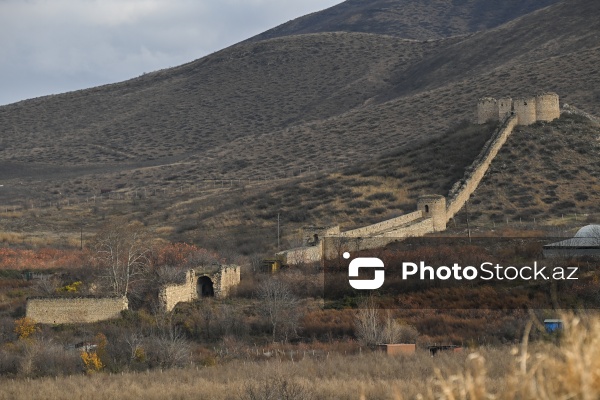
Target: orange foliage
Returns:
[179, 254]
[25, 327]
[91, 361]
[40, 259]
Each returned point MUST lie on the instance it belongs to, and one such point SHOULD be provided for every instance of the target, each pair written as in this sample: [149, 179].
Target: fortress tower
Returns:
[434, 206]
[543, 107]
[505, 107]
[487, 109]
[547, 107]
[525, 110]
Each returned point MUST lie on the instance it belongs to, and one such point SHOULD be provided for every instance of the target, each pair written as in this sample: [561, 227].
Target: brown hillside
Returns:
[324, 103]
[411, 19]
[544, 172]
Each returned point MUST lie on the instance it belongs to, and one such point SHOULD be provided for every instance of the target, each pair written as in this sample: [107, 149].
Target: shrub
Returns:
[25, 328]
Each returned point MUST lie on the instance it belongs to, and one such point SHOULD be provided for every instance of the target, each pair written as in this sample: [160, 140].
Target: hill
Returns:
[562, 175]
[273, 116]
[409, 19]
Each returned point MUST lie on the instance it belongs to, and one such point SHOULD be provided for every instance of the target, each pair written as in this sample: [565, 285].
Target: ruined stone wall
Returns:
[487, 109]
[224, 280]
[381, 227]
[334, 247]
[462, 190]
[547, 107]
[419, 228]
[302, 255]
[370, 237]
[75, 310]
[170, 295]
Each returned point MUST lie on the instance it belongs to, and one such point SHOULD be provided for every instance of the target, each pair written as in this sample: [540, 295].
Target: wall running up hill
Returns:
[434, 211]
[462, 190]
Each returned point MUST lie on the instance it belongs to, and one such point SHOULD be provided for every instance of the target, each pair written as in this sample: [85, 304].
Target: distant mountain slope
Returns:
[244, 91]
[410, 19]
[567, 29]
[272, 108]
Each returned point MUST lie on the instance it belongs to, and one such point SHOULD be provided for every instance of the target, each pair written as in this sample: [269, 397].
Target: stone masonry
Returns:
[75, 310]
[543, 107]
[217, 281]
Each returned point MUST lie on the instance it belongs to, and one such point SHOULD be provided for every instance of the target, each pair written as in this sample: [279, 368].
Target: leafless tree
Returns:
[279, 306]
[121, 254]
[371, 327]
[46, 286]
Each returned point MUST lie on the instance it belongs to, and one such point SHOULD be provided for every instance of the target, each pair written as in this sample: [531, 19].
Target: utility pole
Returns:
[277, 231]
[468, 227]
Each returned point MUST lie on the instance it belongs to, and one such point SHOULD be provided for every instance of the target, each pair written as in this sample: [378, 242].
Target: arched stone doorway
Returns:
[205, 287]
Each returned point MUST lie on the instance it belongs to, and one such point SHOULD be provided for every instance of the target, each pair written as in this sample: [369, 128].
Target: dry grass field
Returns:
[544, 370]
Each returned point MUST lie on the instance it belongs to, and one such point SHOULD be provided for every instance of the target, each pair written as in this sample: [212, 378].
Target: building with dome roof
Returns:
[586, 242]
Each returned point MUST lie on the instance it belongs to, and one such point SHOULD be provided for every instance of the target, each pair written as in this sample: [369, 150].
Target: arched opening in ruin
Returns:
[315, 238]
[205, 287]
[426, 209]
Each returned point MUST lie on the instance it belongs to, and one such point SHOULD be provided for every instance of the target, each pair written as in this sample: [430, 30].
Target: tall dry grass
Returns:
[570, 370]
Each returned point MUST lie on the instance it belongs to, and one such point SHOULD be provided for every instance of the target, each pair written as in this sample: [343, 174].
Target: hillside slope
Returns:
[562, 175]
[324, 103]
[410, 19]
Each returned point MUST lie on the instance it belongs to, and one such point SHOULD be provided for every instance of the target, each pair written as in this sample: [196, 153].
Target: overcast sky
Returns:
[55, 46]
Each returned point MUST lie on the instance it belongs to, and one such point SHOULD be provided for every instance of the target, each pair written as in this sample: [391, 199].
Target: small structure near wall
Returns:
[215, 281]
[398, 349]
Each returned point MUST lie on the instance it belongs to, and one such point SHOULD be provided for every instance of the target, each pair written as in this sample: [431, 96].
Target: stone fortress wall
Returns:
[75, 310]
[528, 110]
[170, 295]
[462, 190]
[385, 226]
[218, 281]
[433, 212]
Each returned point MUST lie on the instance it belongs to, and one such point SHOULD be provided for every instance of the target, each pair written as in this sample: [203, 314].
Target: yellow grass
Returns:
[570, 370]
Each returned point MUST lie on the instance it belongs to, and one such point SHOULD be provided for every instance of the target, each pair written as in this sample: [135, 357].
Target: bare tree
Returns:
[372, 328]
[46, 286]
[279, 306]
[121, 254]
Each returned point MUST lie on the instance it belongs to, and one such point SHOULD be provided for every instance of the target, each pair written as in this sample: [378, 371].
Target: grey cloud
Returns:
[61, 45]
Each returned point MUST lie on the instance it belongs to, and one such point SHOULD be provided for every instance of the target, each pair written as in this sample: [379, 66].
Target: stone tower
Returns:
[547, 107]
[434, 206]
[505, 107]
[487, 109]
[525, 110]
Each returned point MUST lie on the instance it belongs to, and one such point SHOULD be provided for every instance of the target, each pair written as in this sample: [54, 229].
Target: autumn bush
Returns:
[40, 259]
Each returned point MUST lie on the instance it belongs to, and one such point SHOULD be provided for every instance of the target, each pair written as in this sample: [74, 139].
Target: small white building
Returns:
[586, 242]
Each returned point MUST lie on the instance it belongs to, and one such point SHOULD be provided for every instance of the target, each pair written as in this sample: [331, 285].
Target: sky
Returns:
[56, 46]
